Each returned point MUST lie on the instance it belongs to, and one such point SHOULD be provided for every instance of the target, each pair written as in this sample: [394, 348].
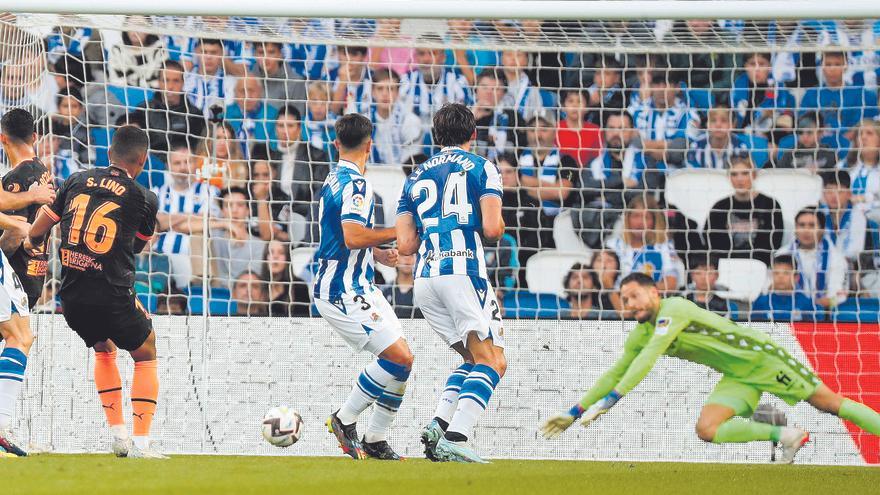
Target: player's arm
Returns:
[46, 219]
[407, 234]
[354, 214]
[15, 229]
[358, 236]
[558, 423]
[42, 195]
[148, 227]
[490, 203]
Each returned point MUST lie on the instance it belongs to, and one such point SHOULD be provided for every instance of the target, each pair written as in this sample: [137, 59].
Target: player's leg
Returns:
[449, 397]
[108, 382]
[824, 399]
[375, 441]
[18, 339]
[144, 397]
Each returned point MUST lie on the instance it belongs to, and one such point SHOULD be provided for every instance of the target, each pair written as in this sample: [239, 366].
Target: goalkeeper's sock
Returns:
[12, 365]
[863, 416]
[144, 394]
[449, 398]
[472, 401]
[386, 407]
[368, 387]
[109, 385]
[740, 430]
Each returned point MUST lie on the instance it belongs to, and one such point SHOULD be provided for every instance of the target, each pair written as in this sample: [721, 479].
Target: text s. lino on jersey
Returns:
[443, 196]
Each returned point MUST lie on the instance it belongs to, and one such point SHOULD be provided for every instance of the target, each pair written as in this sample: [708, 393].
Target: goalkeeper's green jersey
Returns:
[684, 330]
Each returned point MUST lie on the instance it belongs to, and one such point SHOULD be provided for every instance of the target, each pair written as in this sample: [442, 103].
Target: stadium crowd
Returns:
[585, 141]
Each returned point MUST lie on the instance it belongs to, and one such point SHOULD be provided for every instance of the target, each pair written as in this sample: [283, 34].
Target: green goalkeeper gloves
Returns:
[558, 423]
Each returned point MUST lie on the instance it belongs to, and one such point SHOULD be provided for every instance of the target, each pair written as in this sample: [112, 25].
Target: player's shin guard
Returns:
[472, 401]
[109, 385]
[387, 405]
[368, 387]
[144, 394]
[863, 416]
[740, 430]
[12, 365]
[449, 398]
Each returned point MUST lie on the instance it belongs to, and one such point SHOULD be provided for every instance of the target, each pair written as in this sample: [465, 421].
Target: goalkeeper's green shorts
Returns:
[783, 377]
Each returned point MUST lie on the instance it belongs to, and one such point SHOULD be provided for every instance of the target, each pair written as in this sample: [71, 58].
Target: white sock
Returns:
[12, 366]
[119, 432]
[449, 398]
[384, 411]
[368, 387]
[142, 443]
[475, 394]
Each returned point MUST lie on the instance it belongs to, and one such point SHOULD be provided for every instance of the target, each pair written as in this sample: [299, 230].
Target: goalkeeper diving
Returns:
[750, 361]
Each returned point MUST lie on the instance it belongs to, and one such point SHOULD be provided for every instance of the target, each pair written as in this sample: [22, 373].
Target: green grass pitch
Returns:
[192, 475]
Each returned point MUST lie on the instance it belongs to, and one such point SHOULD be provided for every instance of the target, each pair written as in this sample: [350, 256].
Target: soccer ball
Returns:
[282, 426]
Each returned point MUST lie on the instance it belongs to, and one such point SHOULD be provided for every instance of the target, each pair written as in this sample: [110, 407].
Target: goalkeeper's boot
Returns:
[347, 437]
[380, 450]
[430, 435]
[120, 446]
[8, 446]
[148, 453]
[792, 439]
[448, 451]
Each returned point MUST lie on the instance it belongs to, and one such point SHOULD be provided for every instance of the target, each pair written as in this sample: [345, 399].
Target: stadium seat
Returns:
[744, 279]
[219, 300]
[546, 270]
[564, 235]
[387, 182]
[793, 189]
[695, 191]
[524, 304]
[300, 260]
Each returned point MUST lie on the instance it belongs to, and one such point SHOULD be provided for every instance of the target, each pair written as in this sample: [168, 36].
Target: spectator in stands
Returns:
[809, 152]
[784, 301]
[747, 224]
[207, 84]
[643, 246]
[496, 125]
[169, 115]
[850, 230]
[250, 295]
[303, 167]
[520, 211]
[703, 276]
[400, 292]
[182, 199]
[521, 96]
[711, 72]
[575, 136]
[288, 294]
[351, 82]
[281, 84]
[235, 249]
[546, 175]
[862, 65]
[432, 83]
[221, 152]
[398, 136]
[71, 120]
[841, 105]
[605, 94]
[719, 144]
[756, 98]
[606, 265]
[399, 58]
[133, 58]
[863, 163]
[61, 163]
[317, 125]
[311, 61]
[269, 205]
[249, 115]
[21, 86]
[821, 266]
[471, 61]
[664, 121]
[581, 292]
[232, 55]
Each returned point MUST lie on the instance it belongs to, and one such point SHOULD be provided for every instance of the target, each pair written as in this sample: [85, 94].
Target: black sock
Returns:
[454, 436]
[443, 424]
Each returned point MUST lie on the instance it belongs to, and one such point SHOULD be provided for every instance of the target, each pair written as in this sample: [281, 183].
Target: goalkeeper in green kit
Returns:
[749, 360]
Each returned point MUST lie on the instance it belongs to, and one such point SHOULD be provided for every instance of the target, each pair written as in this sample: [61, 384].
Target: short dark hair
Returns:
[834, 54]
[18, 125]
[173, 65]
[765, 55]
[209, 41]
[811, 210]
[622, 114]
[385, 74]
[129, 145]
[227, 191]
[352, 50]
[493, 73]
[71, 92]
[638, 278]
[454, 125]
[783, 259]
[838, 178]
[580, 267]
[353, 130]
[289, 111]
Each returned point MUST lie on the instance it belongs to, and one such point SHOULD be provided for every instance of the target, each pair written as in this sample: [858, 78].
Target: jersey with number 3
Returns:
[443, 196]
[102, 212]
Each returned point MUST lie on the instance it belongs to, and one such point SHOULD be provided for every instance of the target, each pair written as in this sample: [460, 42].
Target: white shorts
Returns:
[12, 296]
[455, 305]
[366, 322]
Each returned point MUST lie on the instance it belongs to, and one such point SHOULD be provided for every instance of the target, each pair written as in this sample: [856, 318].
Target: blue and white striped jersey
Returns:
[674, 122]
[443, 196]
[345, 197]
[190, 202]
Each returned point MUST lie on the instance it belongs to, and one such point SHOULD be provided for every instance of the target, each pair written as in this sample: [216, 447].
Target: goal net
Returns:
[737, 162]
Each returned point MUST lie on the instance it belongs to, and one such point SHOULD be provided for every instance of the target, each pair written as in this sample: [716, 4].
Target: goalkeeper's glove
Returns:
[599, 408]
[558, 423]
